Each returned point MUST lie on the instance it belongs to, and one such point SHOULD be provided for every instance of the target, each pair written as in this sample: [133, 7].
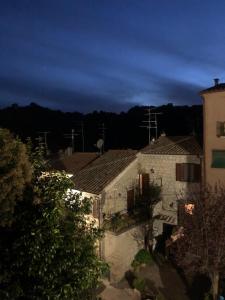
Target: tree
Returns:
[15, 174]
[201, 247]
[50, 251]
[146, 198]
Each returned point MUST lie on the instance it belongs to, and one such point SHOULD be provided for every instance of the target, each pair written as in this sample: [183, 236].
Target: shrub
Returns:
[142, 257]
[139, 284]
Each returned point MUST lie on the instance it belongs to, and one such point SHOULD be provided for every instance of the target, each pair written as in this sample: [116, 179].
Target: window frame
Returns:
[213, 163]
[188, 172]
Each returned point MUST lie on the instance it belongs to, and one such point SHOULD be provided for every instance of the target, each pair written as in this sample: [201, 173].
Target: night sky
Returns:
[109, 54]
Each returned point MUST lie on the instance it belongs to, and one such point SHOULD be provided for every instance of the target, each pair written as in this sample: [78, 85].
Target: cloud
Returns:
[24, 92]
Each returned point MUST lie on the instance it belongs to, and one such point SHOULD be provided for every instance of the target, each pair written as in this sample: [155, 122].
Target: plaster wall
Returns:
[119, 250]
[213, 111]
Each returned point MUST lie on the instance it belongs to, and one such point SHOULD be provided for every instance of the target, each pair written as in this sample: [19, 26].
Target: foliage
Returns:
[139, 284]
[50, 250]
[202, 246]
[142, 257]
[119, 222]
[116, 221]
[15, 174]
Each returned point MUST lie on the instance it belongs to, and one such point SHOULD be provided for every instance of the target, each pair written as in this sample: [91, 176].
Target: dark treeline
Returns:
[123, 130]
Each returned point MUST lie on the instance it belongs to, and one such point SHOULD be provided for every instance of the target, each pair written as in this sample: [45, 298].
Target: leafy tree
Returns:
[50, 251]
[15, 173]
[201, 247]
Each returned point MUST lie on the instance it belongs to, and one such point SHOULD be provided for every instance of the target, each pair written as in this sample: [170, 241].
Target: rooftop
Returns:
[74, 162]
[96, 176]
[174, 145]
[217, 87]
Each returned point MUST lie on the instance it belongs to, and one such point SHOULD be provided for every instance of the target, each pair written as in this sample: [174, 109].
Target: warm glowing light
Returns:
[189, 208]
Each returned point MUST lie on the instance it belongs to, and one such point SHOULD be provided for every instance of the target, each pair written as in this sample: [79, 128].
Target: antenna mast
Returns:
[72, 137]
[151, 123]
[102, 133]
[45, 133]
[82, 135]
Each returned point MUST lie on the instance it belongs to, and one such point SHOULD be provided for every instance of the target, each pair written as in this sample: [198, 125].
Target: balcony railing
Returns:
[120, 221]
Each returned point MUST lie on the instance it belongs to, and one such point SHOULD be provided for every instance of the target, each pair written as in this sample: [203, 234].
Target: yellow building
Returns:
[214, 133]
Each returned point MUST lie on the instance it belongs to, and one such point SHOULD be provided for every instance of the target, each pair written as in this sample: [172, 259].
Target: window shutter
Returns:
[197, 173]
[219, 128]
[178, 172]
[95, 209]
[130, 199]
[145, 182]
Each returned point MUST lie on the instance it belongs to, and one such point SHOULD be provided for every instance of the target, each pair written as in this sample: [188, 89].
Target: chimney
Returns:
[216, 81]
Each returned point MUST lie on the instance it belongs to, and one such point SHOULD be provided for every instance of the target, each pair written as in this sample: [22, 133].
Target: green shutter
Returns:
[218, 159]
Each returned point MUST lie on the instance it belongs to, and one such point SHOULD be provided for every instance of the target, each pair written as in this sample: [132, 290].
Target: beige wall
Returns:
[115, 194]
[213, 110]
[162, 170]
[119, 250]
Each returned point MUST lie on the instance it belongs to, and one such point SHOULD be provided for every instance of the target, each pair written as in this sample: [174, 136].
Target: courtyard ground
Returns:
[160, 277]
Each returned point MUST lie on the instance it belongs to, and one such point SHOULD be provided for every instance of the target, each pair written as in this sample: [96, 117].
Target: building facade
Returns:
[214, 134]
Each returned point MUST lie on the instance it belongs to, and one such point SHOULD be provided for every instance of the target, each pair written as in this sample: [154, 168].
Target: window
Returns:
[188, 172]
[143, 183]
[220, 129]
[218, 159]
[130, 200]
[95, 209]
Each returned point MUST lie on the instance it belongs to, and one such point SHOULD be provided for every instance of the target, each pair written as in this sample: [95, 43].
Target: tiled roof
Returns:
[216, 88]
[96, 176]
[74, 162]
[174, 145]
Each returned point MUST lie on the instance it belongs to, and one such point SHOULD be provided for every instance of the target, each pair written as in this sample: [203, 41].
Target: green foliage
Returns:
[50, 250]
[116, 221]
[15, 174]
[160, 297]
[142, 257]
[139, 284]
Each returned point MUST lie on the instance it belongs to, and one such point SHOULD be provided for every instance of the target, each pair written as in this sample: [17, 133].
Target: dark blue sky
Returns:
[109, 54]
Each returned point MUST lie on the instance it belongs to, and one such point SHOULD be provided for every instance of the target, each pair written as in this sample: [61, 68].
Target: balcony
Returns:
[121, 222]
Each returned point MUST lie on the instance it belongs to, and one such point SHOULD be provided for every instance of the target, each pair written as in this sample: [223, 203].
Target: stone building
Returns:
[214, 133]
[174, 163]
[107, 182]
[114, 181]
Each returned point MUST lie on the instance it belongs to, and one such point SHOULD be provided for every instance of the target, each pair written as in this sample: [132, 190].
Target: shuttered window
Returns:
[220, 129]
[95, 209]
[130, 199]
[144, 183]
[188, 172]
[218, 159]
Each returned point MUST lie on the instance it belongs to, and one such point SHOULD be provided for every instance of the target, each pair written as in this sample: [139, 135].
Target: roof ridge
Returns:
[172, 143]
[88, 167]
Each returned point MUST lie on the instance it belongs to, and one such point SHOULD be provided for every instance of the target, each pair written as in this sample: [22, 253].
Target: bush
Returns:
[142, 257]
[139, 284]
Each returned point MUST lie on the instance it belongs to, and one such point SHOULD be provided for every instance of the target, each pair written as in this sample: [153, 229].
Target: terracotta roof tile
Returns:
[96, 176]
[174, 145]
[74, 162]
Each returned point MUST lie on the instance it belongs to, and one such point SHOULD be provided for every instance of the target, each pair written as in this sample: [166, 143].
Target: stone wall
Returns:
[115, 195]
[119, 250]
[162, 170]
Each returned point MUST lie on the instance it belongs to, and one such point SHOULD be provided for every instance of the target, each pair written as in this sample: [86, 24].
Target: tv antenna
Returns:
[45, 143]
[151, 123]
[100, 145]
[102, 129]
[71, 136]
